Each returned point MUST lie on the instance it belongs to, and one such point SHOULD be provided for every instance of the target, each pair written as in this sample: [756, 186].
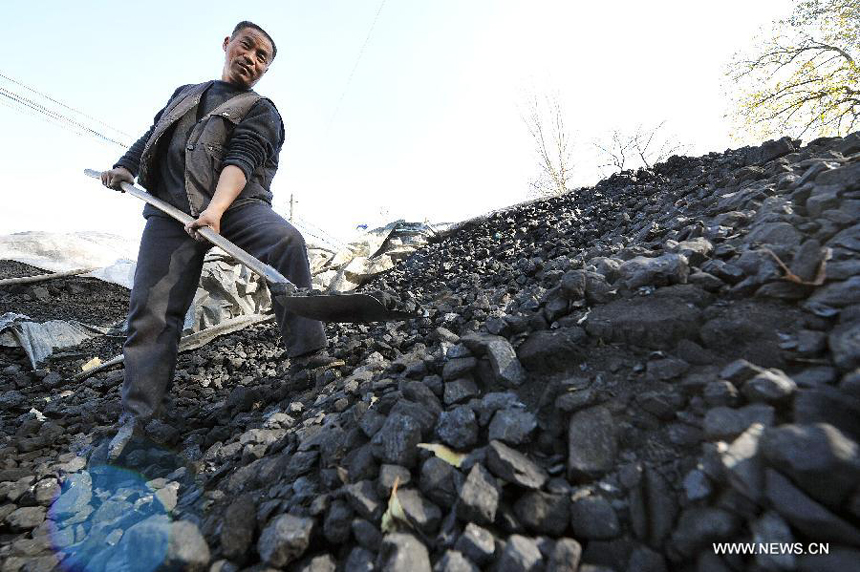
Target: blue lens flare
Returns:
[110, 517]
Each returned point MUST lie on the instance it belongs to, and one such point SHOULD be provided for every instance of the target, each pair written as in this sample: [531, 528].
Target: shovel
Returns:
[325, 308]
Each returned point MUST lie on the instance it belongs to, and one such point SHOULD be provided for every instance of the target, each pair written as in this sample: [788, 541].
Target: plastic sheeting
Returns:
[113, 255]
[227, 291]
[374, 252]
[39, 340]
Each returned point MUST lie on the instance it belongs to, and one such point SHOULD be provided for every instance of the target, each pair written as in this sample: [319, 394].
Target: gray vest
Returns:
[205, 148]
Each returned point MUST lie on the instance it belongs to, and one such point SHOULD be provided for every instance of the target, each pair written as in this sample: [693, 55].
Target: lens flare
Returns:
[110, 517]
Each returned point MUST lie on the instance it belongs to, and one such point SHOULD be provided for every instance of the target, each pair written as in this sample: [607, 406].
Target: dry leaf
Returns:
[95, 362]
[343, 475]
[820, 275]
[38, 414]
[394, 512]
[584, 317]
[449, 456]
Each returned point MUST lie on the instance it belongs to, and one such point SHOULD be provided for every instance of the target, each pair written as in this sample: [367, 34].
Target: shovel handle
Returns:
[268, 273]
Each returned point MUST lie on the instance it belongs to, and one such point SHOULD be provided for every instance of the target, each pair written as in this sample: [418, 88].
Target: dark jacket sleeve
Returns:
[257, 139]
[131, 159]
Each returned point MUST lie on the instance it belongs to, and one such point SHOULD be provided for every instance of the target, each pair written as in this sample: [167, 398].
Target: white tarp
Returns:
[39, 340]
[374, 252]
[60, 251]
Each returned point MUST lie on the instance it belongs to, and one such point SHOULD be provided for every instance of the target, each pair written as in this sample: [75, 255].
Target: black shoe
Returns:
[167, 412]
[314, 360]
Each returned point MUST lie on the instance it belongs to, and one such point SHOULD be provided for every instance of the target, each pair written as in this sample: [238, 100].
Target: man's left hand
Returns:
[212, 219]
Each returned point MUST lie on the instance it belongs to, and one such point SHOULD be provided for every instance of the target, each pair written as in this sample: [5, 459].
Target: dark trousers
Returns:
[166, 279]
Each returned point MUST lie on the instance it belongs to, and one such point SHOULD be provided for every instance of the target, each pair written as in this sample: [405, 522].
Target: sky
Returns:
[393, 109]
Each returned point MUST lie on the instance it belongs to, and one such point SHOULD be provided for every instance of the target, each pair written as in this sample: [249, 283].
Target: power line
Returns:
[306, 222]
[61, 104]
[25, 110]
[299, 220]
[354, 67]
[311, 229]
[33, 109]
[309, 226]
[61, 119]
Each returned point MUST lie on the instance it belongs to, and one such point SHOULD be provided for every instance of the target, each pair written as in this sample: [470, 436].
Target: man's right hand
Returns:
[114, 177]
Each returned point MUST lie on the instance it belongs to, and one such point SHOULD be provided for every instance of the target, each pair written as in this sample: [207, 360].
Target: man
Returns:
[211, 152]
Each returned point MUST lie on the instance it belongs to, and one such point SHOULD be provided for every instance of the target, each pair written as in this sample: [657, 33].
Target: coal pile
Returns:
[76, 298]
[14, 269]
[614, 379]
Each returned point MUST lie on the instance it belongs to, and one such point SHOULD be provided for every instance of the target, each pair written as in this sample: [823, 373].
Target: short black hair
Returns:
[246, 24]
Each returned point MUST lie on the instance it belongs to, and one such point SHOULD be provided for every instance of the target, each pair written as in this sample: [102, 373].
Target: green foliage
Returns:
[802, 78]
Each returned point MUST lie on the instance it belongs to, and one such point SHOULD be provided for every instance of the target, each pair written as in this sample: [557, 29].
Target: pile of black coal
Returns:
[613, 379]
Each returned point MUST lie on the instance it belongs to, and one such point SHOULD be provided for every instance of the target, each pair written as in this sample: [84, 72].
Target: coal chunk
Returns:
[543, 513]
[284, 539]
[401, 551]
[396, 442]
[477, 543]
[458, 427]
[479, 497]
[592, 443]
[512, 426]
[514, 467]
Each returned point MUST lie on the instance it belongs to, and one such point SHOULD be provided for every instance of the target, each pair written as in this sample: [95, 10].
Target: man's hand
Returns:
[114, 177]
[231, 181]
[210, 218]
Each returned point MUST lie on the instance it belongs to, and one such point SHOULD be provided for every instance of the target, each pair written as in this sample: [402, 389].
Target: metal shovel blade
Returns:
[342, 308]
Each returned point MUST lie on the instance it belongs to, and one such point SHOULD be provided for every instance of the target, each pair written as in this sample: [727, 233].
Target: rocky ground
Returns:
[614, 379]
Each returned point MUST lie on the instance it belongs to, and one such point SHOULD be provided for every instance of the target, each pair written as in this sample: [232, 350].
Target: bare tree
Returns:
[653, 148]
[615, 152]
[801, 77]
[544, 119]
[643, 147]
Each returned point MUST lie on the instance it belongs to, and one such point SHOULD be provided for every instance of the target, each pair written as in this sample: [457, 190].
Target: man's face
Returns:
[246, 57]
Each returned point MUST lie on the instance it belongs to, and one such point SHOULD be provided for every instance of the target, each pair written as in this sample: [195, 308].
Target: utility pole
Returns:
[292, 205]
